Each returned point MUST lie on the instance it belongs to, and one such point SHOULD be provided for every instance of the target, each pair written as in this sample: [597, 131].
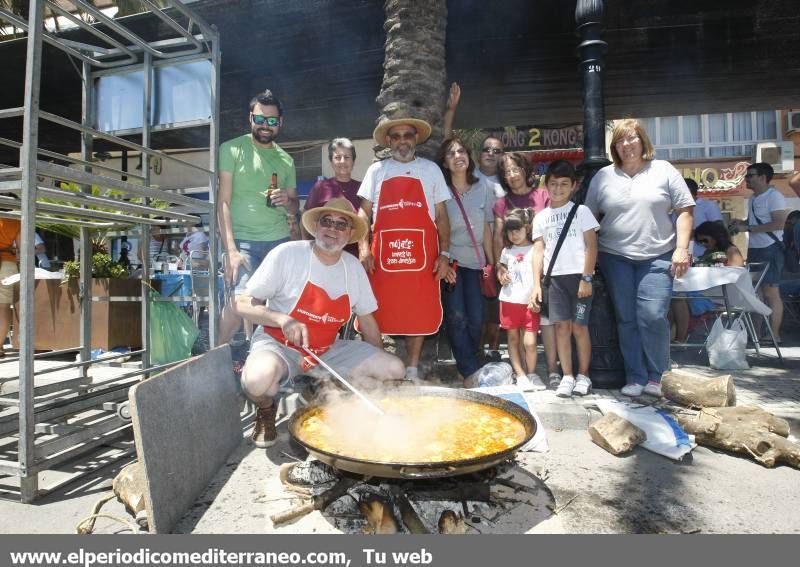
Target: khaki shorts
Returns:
[343, 356]
[7, 268]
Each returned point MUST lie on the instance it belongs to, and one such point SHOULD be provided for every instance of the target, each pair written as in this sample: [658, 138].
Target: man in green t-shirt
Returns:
[252, 219]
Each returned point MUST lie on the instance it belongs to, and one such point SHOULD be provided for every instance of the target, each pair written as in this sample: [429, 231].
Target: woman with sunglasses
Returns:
[641, 250]
[471, 217]
[719, 250]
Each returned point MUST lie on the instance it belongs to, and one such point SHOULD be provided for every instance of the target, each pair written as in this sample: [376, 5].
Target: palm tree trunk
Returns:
[414, 79]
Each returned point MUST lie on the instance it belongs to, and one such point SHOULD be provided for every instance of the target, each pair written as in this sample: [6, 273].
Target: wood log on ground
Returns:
[747, 430]
[698, 391]
[615, 434]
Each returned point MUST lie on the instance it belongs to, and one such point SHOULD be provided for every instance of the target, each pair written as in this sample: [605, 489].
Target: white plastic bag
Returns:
[495, 374]
[727, 347]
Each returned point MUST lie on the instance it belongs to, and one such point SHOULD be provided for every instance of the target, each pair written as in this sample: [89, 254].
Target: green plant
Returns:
[102, 267]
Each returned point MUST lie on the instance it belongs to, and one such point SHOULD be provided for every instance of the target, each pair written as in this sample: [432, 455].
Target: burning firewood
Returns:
[452, 523]
[378, 513]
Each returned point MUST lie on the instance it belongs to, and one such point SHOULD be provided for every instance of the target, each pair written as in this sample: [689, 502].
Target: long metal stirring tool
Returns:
[339, 377]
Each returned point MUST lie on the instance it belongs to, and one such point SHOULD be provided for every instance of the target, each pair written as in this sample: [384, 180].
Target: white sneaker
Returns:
[653, 389]
[632, 390]
[554, 378]
[566, 386]
[412, 373]
[530, 383]
[583, 385]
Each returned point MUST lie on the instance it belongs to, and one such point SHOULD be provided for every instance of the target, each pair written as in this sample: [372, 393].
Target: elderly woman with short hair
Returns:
[641, 250]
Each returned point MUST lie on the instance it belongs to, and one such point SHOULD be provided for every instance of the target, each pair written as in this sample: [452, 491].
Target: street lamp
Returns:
[607, 367]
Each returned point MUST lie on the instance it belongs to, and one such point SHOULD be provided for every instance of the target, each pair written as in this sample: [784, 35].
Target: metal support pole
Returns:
[147, 105]
[85, 279]
[607, 365]
[213, 234]
[29, 482]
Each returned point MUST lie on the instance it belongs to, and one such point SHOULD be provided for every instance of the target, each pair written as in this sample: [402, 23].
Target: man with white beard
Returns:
[312, 288]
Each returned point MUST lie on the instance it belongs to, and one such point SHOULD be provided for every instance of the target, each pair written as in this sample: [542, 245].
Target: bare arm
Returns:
[450, 111]
[364, 252]
[497, 244]
[442, 265]
[589, 261]
[255, 311]
[488, 244]
[234, 259]
[683, 233]
[794, 182]
[777, 222]
[735, 257]
[369, 329]
[538, 263]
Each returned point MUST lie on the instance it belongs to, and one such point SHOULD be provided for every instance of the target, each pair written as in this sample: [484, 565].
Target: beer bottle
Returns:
[272, 186]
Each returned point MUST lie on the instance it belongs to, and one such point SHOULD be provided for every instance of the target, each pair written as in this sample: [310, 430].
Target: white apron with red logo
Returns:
[322, 316]
[405, 245]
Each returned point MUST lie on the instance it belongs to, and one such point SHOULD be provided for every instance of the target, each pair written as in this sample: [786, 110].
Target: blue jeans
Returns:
[463, 310]
[641, 292]
[254, 251]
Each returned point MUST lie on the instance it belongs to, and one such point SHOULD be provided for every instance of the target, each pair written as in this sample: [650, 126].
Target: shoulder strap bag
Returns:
[488, 275]
[546, 279]
[770, 234]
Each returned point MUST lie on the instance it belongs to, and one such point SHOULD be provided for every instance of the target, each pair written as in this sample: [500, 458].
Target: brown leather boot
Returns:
[264, 433]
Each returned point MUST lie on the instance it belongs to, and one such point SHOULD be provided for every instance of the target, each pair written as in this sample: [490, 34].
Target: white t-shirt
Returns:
[284, 273]
[195, 241]
[548, 224]
[704, 211]
[763, 206]
[519, 262]
[493, 181]
[429, 174]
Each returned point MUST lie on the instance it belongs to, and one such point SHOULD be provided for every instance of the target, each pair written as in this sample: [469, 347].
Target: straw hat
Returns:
[340, 206]
[382, 129]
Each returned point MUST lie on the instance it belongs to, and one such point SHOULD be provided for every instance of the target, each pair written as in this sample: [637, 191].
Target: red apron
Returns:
[405, 246]
[322, 315]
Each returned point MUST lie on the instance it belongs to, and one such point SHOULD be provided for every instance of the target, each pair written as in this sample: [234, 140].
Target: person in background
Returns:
[252, 220]
[521, 324]
[41, 252]
[491, 152]
[515, 175]
[342, 155]
[716, 241]
[765, 220]
[462, 299]
[704, 210]
[794, 182]
[641, 249]
[9, 234]
[410, 250]
[569, 295]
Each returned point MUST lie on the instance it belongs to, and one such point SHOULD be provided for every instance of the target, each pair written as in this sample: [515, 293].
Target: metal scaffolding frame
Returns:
[38, 406]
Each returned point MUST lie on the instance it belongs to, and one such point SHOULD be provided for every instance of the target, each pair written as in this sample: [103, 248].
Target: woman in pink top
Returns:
[514, 172]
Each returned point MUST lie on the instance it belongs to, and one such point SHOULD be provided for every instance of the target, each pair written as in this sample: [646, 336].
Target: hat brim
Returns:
[310, 218]
[381, 130]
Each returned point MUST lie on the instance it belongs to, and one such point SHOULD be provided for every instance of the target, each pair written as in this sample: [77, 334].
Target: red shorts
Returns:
[518, 316]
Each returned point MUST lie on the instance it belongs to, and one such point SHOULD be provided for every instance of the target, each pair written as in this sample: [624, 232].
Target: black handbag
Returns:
[544, 311]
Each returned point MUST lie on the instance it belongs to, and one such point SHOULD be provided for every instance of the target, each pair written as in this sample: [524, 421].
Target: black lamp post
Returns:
[607, 368]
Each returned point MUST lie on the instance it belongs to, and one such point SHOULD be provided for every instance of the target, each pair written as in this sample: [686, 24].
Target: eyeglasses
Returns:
[403, 136]
[513, 170]
[339, 225]
[495, 151]
[628, 140]
[260, 120]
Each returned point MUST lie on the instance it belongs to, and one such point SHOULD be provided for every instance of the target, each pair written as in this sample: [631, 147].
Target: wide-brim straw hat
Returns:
[340, 206]
[382, 129]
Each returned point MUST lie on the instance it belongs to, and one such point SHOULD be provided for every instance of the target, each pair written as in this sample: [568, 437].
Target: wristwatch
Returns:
[587, 278]
[446, 254]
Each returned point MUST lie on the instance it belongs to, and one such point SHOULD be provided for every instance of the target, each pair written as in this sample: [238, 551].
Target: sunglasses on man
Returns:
[260, 120]
[495, 151]
[338, 225]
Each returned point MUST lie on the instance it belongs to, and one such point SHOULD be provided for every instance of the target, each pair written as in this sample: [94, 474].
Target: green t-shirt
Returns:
[252, 169]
